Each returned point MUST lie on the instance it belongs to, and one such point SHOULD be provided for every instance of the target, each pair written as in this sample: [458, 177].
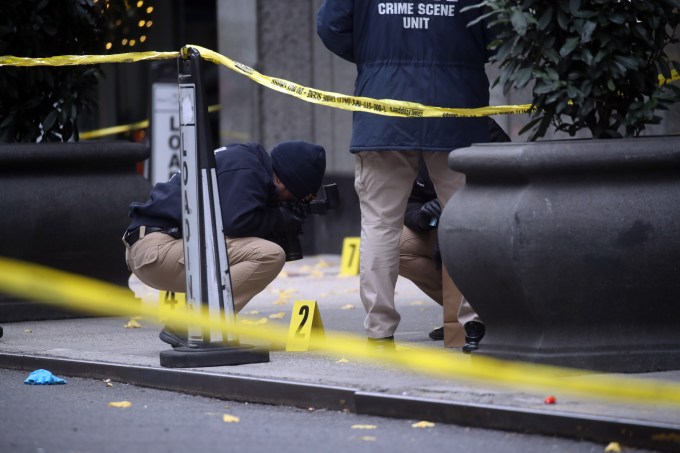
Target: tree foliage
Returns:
[594, 64]
[43, 103]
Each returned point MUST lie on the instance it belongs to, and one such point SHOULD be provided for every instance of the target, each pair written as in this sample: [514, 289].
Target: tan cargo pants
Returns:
[157, 259]
[416, 264]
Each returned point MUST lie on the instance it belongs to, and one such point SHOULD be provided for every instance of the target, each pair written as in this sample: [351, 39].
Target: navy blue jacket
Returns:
[426, 54]
[246, 190]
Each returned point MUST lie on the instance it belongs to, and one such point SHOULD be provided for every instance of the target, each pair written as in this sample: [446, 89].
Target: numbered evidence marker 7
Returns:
[305, 322]
[349, 261]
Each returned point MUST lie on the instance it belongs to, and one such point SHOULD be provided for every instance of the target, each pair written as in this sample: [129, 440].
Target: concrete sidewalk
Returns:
[103, 348]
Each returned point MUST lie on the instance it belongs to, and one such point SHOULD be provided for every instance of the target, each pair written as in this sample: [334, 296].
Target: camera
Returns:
[290, 242]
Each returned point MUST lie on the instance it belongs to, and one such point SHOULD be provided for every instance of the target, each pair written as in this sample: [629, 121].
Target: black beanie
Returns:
[300, 166]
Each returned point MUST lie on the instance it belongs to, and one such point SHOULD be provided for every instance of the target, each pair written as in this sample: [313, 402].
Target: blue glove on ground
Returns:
[43, 377]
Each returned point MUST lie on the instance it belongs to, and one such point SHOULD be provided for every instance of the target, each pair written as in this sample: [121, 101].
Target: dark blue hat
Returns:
[300, 166]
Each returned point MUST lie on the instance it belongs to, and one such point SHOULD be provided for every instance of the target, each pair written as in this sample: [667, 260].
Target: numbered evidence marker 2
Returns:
[170, 301]
[349, 261]
[305, 322]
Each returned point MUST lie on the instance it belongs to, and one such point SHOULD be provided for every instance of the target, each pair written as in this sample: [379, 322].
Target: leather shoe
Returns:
[474, 332]
[381, 344]
[437, 334]
[174, 339]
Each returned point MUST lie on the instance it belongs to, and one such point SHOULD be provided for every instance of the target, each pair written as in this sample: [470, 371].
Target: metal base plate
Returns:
[213, 356]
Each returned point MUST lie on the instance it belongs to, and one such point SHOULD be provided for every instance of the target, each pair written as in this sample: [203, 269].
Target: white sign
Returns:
[165, 137]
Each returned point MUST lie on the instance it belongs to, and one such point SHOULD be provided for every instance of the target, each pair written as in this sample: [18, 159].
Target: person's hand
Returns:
[290, 222]
[429, 215]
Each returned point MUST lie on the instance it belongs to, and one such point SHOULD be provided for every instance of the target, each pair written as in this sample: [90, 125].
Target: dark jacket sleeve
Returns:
[246, 189]
[163, 208]
[335, 25]
[496, 132]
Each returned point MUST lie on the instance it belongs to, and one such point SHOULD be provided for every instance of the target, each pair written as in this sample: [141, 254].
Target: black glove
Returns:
[429, 215]
[290, 222]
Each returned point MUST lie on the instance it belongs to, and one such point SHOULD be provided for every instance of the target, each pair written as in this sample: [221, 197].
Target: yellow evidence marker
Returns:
[349, 260]
[305, 322]
[170, 301]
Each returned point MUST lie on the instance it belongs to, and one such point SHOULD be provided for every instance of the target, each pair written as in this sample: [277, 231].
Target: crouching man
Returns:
[251, 184]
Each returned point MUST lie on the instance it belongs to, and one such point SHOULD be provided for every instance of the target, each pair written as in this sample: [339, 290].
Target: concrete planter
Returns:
[65, 206]
[570, 250]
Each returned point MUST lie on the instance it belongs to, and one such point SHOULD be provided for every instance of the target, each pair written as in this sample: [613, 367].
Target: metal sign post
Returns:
[208, 281]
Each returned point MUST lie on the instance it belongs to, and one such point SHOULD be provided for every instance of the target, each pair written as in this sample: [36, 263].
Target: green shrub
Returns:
[594, 64]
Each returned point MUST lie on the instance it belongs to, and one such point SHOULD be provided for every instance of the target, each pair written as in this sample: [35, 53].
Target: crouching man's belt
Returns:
[135, 235]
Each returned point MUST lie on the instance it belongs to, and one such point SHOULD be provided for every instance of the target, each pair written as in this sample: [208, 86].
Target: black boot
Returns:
[174, 337]
[474, 332]
[437, 334]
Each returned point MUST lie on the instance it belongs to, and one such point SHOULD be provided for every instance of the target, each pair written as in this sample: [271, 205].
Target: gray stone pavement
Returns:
[104, 348]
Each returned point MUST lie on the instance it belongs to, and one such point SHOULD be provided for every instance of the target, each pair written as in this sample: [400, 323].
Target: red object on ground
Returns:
[550, 400]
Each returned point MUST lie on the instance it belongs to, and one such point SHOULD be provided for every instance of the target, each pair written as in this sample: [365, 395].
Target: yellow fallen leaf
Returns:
[305, 268]
[120, 404]
[133, 324]
[364, 427]
[283, 295]
[614, 447]
[422, 424]
[253, 312]
[278, 315]
[226, 418]
[317, 274]
[260, 321]
[343, 360]
[321, 264]
[348, 307]
[283, 274]
[368, 438]
[417, 302]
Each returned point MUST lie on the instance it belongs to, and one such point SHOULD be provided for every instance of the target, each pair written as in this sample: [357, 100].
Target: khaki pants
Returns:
[383, 182]
[157, 259]
[416, 263]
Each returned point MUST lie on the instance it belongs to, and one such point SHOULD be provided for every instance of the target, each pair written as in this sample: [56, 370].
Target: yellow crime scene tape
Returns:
[46, 285]
[89, 135]
[388, 107]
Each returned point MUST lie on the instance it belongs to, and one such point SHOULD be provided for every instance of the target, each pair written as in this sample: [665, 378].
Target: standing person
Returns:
[251, 185]
[424, 53]
[420, 259]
